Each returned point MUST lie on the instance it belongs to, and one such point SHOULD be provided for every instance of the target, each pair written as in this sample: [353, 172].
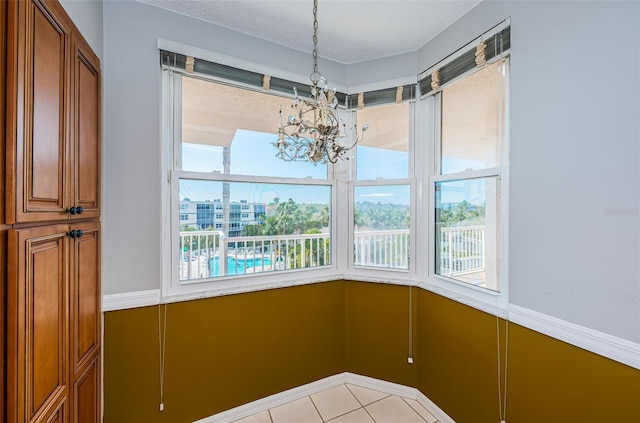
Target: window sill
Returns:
[492, 302]
[485, 300]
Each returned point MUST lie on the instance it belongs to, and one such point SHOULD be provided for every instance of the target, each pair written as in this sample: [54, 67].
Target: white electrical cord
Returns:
[502, 397]
[410, 358]
[162, 342]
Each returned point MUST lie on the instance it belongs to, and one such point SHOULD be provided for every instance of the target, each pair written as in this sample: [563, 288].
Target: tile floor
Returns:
[346, 403]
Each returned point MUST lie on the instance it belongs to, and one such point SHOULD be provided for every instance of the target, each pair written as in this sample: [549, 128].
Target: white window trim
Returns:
[172, 288]
[485, 299]
[381, 274]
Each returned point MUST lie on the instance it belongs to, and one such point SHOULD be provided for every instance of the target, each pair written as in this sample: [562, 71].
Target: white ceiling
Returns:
[349, 31]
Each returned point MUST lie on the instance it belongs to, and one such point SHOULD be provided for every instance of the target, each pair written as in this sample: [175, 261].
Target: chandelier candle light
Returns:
[314, 130]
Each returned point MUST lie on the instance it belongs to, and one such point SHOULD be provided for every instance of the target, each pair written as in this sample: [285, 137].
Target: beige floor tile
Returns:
[256, 418]
[299, 411]
[365, 395]
[358, 416]
[393, 410]
[334, 402]
[421, 410]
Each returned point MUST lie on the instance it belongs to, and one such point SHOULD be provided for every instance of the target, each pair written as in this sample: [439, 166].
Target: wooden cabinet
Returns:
[50, 320]
[53, 113]
[53, 339]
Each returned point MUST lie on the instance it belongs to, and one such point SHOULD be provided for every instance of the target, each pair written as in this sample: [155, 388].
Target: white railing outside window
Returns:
[462, 250]
[388, 249]
[201, 251]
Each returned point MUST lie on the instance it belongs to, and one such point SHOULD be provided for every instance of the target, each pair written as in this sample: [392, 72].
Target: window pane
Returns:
[384, 151]
[472, 121]
[232, 228]
[381, 226]
[466, 231]
[230, 130]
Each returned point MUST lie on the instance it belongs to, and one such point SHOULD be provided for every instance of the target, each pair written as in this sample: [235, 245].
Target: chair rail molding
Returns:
[609, 346]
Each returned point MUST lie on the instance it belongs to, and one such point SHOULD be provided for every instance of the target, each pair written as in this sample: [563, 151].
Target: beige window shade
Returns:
[477, 55]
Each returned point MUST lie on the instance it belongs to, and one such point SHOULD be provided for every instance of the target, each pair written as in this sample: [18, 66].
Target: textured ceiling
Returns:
[349, 31]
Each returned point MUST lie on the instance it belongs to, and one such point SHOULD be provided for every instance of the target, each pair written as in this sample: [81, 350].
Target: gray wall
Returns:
[574, 233]
[575, 102]
[87, 15]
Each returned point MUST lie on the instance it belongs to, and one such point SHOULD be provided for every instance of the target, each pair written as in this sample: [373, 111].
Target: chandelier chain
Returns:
[315, 37]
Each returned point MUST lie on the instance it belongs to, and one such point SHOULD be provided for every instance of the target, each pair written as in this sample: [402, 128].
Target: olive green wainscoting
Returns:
[225, 351]
[377, 331]
[548, 380]
[221, 352]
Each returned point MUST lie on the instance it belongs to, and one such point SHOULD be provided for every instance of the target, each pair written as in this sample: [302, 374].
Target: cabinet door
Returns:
[38, 55]
[84, 294]
[85, 328]
[85, 133]
[37, 325]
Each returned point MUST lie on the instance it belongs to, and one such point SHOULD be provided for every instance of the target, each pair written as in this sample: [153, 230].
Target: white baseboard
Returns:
[432, 408]
[130, 300]
[282, 398]
[618, 349]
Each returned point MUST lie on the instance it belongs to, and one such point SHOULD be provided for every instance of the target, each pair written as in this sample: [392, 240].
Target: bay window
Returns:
[422, 199]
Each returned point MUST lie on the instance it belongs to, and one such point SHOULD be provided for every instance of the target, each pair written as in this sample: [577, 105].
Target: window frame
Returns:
[172, 288]
[373, 273]
[493, 301]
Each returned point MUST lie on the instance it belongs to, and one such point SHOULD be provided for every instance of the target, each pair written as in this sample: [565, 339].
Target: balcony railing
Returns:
[461, 250]
[388, 249]
[209, 254]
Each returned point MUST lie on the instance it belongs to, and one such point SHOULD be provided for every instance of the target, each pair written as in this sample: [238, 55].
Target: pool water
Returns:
[237, 267]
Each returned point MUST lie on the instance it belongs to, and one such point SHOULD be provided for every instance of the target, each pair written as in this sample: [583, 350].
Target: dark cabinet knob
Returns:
[75, 210]
[76, 233]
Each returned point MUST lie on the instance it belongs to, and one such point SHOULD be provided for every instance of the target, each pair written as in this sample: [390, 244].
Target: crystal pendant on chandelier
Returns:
[313, 131]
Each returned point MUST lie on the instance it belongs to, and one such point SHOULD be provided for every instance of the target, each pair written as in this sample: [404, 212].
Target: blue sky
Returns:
[253, 154]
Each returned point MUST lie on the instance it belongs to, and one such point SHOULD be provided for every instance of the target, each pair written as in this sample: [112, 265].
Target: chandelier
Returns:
[313, 131]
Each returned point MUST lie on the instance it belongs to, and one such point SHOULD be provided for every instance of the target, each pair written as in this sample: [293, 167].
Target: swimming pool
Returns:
[239, 266]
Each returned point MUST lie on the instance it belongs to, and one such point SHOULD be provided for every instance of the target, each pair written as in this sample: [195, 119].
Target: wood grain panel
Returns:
[37, 342]
[38, 47]
[86, 129]
[46, 318]
[48, 138]
[85, 295]
[3, 75]
[3, 284]
[86, 394]
[3, 230]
